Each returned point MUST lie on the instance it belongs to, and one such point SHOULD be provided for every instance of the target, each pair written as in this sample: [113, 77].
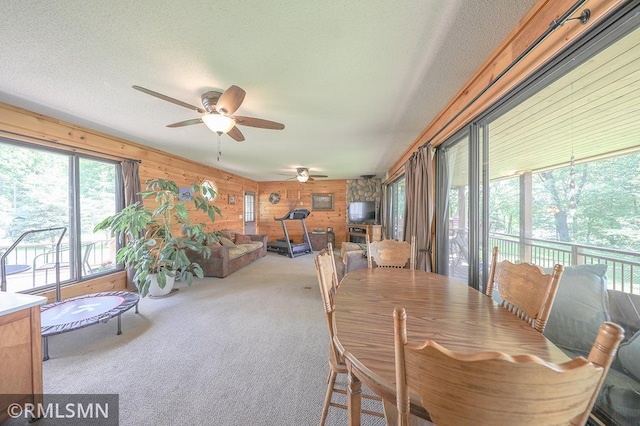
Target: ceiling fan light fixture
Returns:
[303, 174]
[218, 123]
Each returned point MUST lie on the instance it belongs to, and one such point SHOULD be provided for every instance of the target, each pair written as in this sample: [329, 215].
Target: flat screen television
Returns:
[363, 212]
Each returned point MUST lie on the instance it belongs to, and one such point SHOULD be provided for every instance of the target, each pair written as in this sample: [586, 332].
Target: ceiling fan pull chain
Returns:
[219, 148]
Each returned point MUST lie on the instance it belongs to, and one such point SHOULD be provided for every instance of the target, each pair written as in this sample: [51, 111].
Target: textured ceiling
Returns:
[354, 82]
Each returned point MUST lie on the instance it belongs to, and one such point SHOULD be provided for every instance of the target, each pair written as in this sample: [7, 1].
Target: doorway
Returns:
[249, 212]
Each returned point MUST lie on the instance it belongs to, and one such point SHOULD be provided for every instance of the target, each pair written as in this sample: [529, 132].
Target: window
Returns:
[395, 209]
[453, 252]
[249, 207]
[42, 188]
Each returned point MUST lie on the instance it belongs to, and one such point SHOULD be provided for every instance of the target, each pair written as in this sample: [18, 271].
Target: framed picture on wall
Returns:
[185, 194]
[232, 199]
[321, 201]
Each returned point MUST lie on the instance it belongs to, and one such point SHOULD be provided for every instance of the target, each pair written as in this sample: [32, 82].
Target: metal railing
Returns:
[30, 255]
[623, 266]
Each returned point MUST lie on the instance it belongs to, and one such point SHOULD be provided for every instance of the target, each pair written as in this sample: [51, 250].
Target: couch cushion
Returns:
[619, 399]
[629, 356]
[580, 308]
[226, 242]
[237, 251]
[243, 239]
[253, 245]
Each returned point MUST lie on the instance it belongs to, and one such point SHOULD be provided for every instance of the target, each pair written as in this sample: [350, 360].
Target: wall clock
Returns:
[274, 198]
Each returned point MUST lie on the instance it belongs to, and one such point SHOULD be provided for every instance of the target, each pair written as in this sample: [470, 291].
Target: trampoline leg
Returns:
[45, 347]
[137, 309]
[119, 326]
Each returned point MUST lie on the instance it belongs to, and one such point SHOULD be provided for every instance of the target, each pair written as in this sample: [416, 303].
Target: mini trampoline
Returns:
[82, 311]
[75, 313]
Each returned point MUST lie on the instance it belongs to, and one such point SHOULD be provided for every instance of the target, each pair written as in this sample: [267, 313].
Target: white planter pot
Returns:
[154, 288]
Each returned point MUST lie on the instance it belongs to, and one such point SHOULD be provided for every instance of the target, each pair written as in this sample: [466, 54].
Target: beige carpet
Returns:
[249, 349]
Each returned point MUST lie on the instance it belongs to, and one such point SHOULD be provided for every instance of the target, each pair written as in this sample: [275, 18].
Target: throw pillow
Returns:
[226, 242]
[243, 239]
[229, 235]
[580, 307]
[629, 355]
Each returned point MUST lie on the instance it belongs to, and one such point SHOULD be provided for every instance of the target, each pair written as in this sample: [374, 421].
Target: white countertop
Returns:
[13, 302]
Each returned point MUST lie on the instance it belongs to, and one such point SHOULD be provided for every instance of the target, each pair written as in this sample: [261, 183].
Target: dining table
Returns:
[438, 307]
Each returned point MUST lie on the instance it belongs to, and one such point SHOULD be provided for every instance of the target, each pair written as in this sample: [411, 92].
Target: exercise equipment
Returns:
[82, 311]
[78, 312]
[285, 246]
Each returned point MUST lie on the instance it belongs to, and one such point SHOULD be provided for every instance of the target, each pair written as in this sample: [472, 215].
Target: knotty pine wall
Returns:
[27, 126]
[298, 195]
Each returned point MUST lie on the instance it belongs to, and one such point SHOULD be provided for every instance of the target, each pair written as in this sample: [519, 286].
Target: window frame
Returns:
[76, 273]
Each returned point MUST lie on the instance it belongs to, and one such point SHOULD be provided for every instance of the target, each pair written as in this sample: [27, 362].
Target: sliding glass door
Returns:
[62, 196]
[551, 176]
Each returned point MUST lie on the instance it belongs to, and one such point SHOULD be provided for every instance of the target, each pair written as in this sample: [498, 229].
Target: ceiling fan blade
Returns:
[230, 100]
[258, 122]
[236, 134]
[186, 123]
[318, 176]
[169, 99]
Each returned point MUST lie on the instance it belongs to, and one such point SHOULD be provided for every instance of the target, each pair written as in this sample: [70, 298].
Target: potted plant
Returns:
[156, 240]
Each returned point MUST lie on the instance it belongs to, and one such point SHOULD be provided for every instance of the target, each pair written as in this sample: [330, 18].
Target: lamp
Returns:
[303, 175]
[218, 123]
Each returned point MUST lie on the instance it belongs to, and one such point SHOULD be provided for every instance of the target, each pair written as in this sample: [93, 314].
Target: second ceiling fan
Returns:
[302, 175]
[218, 109]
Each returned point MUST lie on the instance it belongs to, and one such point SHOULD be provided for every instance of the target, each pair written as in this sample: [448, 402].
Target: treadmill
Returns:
[284, 246]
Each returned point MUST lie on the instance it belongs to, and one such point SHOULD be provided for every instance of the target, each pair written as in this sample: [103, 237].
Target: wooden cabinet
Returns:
[320, 241]
[357, 233]
[20, 350]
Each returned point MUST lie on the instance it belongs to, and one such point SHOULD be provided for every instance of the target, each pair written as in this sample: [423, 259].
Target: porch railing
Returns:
[623, 266]
[38, 273]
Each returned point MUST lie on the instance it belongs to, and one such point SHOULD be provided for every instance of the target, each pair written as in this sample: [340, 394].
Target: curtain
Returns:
[446, 162]
[383, 212]
[418, 213]
[131, 183]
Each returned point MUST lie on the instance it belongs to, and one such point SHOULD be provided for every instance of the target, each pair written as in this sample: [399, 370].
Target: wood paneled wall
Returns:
[20, 124]
[298, 195]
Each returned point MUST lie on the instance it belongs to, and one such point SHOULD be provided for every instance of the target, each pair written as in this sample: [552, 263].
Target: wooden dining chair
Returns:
[334, 275]
[524, 288]
[391, 253]
[494, 388]
[325, 271]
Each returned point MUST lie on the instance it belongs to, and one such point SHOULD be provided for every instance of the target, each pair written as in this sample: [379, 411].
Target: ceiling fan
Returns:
[218, 109]
[302, 175]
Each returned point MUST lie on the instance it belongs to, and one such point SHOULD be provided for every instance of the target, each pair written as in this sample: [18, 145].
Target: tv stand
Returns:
[357, 232]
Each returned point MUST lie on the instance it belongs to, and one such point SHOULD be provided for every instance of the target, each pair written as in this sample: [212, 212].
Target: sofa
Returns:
[234, 251]
[582, 304]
